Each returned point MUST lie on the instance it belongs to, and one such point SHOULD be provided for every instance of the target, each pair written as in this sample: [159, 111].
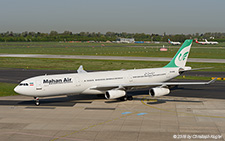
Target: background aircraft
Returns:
[211, 42]
[113, 84]
[173, 43]
[203, 43]
[206, 42]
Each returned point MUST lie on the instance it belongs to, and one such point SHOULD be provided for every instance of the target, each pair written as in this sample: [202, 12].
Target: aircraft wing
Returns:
[134, 85]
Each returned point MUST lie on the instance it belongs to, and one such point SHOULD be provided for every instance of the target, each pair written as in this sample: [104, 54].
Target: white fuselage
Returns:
[207, 42]
[174, 43]
[79, 83]
[211, 42]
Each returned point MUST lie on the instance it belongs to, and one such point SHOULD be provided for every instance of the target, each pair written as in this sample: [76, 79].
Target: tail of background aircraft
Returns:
[180, 59]
[196, 41]
[169, 41]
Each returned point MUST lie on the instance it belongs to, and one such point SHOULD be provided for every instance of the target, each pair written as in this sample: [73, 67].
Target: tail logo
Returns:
[182, 57]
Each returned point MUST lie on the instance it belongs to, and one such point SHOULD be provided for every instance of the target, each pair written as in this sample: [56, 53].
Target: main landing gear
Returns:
[37, 103]
[125, 98]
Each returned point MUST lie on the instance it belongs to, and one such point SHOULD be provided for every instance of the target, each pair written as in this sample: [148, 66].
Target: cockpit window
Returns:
[23, 84]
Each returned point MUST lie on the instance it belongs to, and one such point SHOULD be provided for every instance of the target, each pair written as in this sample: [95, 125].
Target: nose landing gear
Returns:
[37, 103]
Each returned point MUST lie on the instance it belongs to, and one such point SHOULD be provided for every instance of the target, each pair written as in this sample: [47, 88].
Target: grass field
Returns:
[6, 89]
[44, 44]
[73, 64]
[140, 50]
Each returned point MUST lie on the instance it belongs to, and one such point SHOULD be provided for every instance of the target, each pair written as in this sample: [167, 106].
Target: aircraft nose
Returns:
[17, 89]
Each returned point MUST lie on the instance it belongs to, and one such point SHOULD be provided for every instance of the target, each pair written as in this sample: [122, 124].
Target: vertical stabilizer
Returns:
[180, 59]
[196, 41]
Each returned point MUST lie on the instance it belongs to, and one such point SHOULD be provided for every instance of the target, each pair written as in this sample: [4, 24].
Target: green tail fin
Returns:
[180, 59]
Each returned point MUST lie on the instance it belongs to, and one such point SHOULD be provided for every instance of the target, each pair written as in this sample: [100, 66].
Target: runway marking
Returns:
[140, 114]
[126, 113]
[99, 108]
[91, 126]
[166, 110]
[38, 135]
[39, 107]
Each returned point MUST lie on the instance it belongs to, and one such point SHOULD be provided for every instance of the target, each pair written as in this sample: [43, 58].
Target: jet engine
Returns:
[113, 94]
[159, 91]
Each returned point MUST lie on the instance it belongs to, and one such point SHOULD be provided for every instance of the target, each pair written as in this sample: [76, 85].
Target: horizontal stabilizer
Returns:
[195, 69]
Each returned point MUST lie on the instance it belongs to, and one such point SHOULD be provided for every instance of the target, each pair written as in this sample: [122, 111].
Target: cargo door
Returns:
[130, 78]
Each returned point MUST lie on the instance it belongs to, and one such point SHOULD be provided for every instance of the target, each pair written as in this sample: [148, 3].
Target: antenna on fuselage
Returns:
[81, 69]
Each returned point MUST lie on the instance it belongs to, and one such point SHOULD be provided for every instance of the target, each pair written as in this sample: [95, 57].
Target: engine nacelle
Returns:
[158, 91]
[113, 94]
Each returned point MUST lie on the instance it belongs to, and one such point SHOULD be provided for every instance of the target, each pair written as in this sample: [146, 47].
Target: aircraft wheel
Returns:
[124, 98]
[37, 103]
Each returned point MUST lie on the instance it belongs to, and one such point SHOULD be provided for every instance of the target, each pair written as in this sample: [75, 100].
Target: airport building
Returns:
[125, 40]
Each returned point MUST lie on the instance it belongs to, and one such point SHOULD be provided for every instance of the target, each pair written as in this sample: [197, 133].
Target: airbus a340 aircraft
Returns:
[113, 84]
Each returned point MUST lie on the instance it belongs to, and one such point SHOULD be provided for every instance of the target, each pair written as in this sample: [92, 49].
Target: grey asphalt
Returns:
[187, 113]
[184, 114]
[213, 91]
[17, 75]
[110, 58]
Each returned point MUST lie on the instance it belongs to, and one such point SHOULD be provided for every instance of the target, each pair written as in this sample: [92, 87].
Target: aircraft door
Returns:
[77, 81]
[130, 78]
[167, 74]
[39, 86]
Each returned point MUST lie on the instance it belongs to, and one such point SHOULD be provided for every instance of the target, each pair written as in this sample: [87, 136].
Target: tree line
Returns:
[26, 36]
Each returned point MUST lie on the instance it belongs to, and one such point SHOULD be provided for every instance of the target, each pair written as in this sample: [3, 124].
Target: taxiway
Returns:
[110, 58]
[189, 112]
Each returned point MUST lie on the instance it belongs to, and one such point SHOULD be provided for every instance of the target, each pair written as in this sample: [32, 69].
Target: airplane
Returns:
[211, 42]
[206, 42]
[173, 43]
[113, 84]
[203, 43]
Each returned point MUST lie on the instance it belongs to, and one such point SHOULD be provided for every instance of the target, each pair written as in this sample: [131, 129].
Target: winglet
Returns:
[212, 81]
[81, 70]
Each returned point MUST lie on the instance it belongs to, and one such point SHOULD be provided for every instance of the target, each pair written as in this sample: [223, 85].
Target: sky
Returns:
[132, 16]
